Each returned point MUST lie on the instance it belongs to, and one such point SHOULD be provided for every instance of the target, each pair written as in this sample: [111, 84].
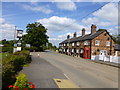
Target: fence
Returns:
[114, 59]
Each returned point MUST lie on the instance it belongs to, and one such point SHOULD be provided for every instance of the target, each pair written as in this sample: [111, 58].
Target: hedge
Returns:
[12, 65]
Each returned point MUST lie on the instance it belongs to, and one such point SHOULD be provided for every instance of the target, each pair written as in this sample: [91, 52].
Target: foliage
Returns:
[21, 81]
[7, 49]
[12, 64]
[36, 35]
[50, 46]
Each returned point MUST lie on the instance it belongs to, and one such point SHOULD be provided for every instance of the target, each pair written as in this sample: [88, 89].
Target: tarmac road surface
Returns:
[85, 74]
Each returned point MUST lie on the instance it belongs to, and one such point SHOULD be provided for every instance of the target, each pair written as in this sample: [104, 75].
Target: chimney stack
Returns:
[68, 36]
[93, 29]
[75, 35]
[83, 31]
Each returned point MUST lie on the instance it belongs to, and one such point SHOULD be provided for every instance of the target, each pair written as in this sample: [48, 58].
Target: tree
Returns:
[36, 35]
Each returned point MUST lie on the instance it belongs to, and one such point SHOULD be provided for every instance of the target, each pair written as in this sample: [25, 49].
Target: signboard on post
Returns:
[18, 48]
[19, 33]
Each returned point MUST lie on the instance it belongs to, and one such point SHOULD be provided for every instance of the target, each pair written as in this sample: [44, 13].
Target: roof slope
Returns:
[83, 38]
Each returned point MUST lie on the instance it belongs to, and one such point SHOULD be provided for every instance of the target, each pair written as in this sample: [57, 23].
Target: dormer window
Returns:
[107, 43]
[86, 43]
[97, 42]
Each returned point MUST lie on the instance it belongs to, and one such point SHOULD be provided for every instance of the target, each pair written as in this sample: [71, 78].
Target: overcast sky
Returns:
[60, 18]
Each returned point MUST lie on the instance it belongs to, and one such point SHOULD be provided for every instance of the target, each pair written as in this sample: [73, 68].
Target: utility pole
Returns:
[15, 34]
[14, 47]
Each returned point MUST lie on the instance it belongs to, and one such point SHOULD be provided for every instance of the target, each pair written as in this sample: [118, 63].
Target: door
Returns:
[86, 54]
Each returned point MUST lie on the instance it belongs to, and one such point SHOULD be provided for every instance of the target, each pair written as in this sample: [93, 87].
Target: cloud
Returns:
[57, 24]
[108, 12]
[60, 27]
[94, 20]
[43, 9]
[66, 5]
[7, 30]
[107, 16]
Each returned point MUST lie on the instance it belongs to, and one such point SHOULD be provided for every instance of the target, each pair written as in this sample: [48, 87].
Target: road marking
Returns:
[64, 83]
[66, 76]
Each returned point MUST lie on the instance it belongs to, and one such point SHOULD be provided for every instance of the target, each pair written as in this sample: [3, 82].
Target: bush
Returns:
[12, 64]
[21, 81]
[17, 62]
[7, 49]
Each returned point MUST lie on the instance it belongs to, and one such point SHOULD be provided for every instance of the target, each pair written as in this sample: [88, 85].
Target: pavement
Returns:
[51, 66]
[103, 62]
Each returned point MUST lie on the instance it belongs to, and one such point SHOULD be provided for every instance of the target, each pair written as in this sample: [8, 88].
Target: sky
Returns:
[60, 18]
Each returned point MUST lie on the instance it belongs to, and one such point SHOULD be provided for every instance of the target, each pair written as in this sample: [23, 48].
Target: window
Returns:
[67, 44]
[105, 34]
[72, 44]
[81, 51]
[72, 50]
[86, 43]
[67, 50]
[103, 52]
[107, 43]
[97, 42]
[78, 43]
[77, 51]
[64, 44]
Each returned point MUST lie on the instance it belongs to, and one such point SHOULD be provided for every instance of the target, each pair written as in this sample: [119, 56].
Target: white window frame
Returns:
[103, 52]
[85, 42]
[67, 50]
[77, 50]
[67, 44]
[73, 50]
[107, 43]
[73, 44]
[97, 42]
[78, 43]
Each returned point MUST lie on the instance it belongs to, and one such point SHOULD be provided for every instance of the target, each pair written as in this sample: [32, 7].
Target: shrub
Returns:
[12, 64]
[21, 81]
[7, 49]
[17, 62]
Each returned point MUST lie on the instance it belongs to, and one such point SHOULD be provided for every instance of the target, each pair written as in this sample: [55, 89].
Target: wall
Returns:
[115, 59]
[102, 38]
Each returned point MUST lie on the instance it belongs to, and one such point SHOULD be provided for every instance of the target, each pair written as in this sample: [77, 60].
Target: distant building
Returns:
[98, 42]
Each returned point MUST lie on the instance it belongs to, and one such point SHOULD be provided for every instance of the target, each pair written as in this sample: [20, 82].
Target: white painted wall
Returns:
[115, 59]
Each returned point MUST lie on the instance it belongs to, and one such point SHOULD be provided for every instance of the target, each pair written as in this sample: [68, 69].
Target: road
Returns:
[84, 73]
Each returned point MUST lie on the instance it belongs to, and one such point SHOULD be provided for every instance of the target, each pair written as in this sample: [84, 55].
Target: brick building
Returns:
[98, 42]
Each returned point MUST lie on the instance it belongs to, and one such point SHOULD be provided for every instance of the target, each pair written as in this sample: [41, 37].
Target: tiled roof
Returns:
[83, 38]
